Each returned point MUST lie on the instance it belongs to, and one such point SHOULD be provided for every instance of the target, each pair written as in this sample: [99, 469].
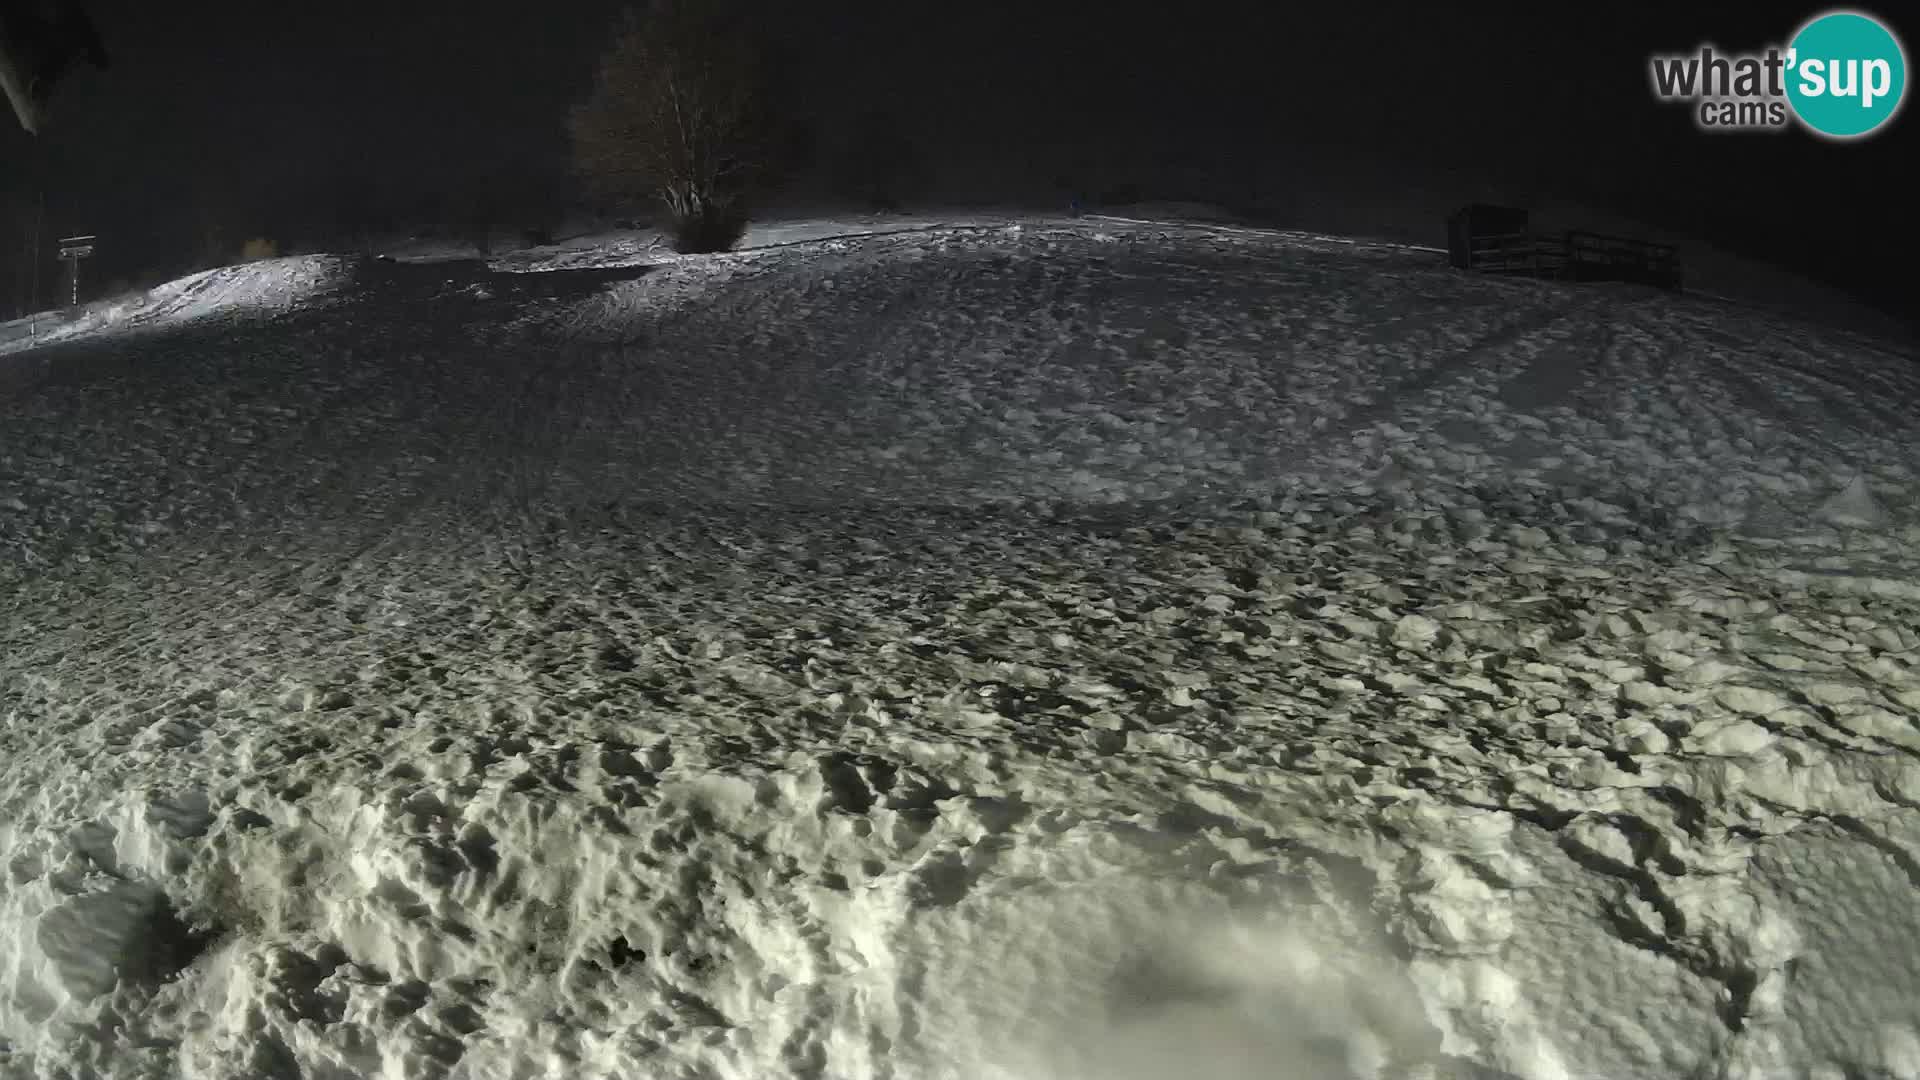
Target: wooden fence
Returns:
[1498, 240]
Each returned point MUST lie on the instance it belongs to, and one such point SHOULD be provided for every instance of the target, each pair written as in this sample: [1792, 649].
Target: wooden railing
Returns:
[1576, 256]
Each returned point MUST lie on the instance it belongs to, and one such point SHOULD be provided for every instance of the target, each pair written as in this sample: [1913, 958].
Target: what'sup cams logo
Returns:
[1843, 76]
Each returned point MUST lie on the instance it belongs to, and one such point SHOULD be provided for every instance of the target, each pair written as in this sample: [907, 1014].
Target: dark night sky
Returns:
[279, 106]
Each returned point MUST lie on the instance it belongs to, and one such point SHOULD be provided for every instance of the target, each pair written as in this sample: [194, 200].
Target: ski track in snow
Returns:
[1052, 650]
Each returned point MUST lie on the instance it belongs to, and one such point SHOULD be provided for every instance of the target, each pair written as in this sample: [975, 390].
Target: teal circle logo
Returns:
[1847, 74]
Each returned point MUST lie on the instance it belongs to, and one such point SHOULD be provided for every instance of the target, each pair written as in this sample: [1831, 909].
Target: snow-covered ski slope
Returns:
[1033, 650]
[274, 285]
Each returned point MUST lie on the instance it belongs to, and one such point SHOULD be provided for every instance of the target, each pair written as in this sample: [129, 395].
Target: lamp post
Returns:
[72, 250]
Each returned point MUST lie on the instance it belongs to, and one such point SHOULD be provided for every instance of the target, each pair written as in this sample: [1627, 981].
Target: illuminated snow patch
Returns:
[270, 287]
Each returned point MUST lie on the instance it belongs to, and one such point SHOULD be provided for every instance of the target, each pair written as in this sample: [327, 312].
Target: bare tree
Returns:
[677, 113]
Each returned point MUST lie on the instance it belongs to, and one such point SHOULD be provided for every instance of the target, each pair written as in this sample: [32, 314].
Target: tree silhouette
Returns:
[677, 113]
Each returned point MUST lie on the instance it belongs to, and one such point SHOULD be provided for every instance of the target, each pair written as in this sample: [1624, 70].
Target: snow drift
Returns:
[263, 288]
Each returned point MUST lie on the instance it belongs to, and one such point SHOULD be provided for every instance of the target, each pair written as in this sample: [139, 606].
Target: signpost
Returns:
[72, 250]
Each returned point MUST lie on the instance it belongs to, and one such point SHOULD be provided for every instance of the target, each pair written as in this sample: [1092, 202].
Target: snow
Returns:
[1854, 505]
[1037, 649]
[262, 288]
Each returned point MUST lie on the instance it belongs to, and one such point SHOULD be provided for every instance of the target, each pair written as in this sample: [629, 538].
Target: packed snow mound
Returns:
[271, 286]
[1103, 362]
[251, 290]
[1023, 651]
[602, 248]
[652, 246]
